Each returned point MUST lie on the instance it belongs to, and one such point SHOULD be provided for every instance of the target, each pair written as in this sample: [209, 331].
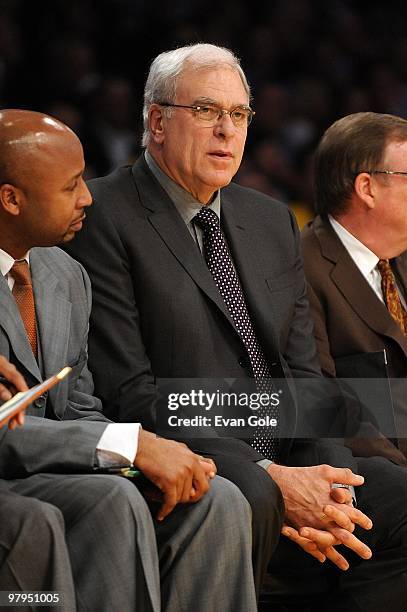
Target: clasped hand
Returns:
[317, 517]
[181, 475]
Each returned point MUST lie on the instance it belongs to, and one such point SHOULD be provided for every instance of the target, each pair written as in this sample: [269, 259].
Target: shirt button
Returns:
[243, 362]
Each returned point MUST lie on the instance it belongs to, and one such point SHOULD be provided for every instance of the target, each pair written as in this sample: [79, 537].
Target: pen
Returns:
[21, 400]
[128, 471]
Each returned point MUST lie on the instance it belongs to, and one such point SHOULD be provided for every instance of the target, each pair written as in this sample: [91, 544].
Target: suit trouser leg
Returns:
[266, 504]
[369, 585]
[214, 571]
[381, 582]
[33, 553]
[110, 538]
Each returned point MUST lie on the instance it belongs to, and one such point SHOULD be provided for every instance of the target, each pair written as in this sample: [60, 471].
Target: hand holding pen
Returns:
[11, 382]
[12, 410]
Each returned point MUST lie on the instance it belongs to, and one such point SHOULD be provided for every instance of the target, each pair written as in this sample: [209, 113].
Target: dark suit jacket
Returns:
[349, 318]
[156, 310]
[66, 441]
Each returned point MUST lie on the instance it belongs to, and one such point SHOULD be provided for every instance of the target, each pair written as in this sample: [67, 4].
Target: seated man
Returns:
[195, 277]
[105, 540]
[354, 253]
[33, 555]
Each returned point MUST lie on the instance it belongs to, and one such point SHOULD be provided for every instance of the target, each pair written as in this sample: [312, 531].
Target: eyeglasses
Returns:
[241, 116]
[389, 172]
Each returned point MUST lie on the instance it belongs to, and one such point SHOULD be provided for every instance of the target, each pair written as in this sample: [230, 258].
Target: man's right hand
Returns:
[180, 474]
[17, 383]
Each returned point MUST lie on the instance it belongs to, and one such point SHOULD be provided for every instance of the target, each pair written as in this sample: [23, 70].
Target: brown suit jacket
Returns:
[349, 318]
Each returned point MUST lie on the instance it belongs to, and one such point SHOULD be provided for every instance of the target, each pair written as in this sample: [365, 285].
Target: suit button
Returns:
[40, 402]
[243, 362]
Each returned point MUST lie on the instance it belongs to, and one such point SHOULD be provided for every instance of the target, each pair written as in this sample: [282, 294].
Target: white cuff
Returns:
[118, 444]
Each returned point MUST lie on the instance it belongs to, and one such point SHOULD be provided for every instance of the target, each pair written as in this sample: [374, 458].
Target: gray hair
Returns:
[166, 68]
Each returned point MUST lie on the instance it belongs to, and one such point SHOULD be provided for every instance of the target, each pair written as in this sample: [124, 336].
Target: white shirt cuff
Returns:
[264, 463]
[118, 444]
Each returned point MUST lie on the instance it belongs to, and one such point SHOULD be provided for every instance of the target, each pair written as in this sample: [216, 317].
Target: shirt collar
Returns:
[7, 262]
[184, 202]
[363, 257]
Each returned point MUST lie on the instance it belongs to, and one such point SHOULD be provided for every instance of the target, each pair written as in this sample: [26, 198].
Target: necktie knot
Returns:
[207, 218]
[21, 273]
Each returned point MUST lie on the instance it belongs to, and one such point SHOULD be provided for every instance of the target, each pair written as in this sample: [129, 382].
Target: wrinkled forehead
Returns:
[212, 82]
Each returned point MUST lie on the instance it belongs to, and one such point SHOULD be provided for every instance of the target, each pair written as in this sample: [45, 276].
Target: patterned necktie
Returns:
[391, 295]
[221, 267]
[24, 297]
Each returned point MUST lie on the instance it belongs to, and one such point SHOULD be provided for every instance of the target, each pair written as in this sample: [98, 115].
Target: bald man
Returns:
[105, 540]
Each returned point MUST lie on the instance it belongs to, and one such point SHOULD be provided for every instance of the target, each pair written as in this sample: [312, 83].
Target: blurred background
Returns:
[309, 62]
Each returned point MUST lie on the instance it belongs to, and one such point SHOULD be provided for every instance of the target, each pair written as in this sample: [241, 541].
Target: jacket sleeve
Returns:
[43, 445]
[117, 357]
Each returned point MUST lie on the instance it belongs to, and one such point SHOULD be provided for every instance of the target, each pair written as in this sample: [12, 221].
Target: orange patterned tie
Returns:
[391, 294]
[24, 296]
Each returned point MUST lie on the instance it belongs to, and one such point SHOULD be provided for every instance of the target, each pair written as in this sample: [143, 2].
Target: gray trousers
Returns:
[96, 532]
[33, 555]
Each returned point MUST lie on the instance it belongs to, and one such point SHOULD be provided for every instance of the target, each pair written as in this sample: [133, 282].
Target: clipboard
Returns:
[366, 374]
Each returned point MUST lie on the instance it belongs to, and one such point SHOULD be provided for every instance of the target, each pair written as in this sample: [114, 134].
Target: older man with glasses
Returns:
[197, 278]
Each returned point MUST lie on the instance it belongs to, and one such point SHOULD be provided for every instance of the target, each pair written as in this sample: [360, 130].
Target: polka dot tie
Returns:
[221, 267]
[391, 294]
[24, 297]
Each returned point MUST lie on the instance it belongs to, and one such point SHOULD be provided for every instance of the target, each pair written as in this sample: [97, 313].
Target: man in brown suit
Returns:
[361, 227]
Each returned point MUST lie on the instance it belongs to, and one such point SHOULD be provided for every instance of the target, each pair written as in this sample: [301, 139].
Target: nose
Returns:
[224, 127]
[85, 198]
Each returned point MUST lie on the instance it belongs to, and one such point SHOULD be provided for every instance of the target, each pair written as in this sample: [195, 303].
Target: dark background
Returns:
[309, 62]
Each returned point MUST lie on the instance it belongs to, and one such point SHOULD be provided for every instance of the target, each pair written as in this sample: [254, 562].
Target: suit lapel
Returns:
[11, 322]
[168, 224]
[239, 231]
[53, 312]
[354, 287]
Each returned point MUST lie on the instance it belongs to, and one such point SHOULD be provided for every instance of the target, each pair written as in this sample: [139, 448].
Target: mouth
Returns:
[78, 223]
[226, 155]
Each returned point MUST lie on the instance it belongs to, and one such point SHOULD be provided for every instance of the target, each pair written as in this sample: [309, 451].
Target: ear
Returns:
[10, 199]
[364, 189]
[155, 122]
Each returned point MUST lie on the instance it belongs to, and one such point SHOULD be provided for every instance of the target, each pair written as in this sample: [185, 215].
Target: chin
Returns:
[67, 237]
[221, 181]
